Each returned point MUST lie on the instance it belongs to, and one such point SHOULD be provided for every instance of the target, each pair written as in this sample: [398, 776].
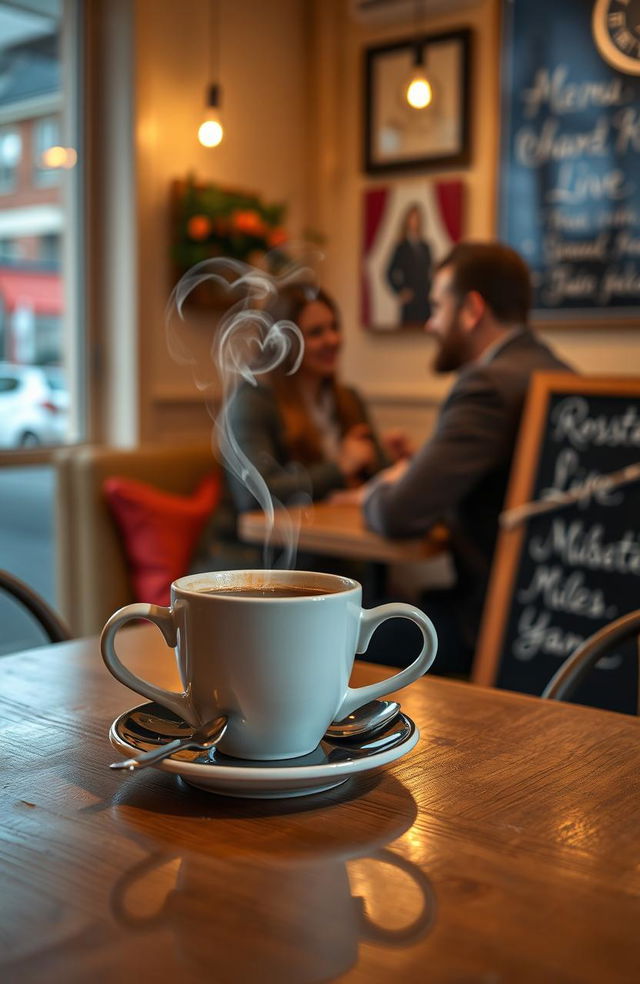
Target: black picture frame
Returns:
[440, 139]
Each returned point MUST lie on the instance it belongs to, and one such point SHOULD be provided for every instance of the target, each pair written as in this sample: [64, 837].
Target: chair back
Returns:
[91, 566]
[49, 621]
[565, 681]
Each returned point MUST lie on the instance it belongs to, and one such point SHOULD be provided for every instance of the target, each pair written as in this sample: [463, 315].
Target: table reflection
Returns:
[261, 912]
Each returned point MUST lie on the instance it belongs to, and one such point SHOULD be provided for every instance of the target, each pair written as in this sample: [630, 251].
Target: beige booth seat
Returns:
[92, 575]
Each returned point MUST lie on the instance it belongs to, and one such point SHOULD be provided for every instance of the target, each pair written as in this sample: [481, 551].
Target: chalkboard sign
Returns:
[569, 194]
[563, 569]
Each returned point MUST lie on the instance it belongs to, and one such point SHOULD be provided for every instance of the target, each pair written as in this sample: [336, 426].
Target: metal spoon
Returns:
[371, 717]
[204, 738]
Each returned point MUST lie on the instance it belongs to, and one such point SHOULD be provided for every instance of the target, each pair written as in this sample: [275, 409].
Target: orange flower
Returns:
[277, 237]
[249, 222]
[198, 227]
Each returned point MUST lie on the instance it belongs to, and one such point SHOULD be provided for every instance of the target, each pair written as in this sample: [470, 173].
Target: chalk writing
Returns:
[572, 538]
[574, 422]
[572, 141]
[538, 637]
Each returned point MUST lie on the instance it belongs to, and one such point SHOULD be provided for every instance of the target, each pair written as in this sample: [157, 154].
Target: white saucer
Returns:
[332, 763]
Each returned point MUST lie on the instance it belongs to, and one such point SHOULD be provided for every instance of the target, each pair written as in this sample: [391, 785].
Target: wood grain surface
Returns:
[504, 848]
[339, 531]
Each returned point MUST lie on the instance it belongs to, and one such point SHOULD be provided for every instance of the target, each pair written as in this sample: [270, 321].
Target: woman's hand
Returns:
[397, 445]
[357, 452]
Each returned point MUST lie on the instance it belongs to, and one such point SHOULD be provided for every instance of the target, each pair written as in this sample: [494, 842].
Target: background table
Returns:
[339, 531]
[504, 848]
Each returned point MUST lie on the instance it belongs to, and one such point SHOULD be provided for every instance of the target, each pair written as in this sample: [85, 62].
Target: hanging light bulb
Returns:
[210, 132]
[419, 92]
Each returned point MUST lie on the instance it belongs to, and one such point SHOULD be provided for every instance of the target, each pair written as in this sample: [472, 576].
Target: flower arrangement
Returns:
[213, 221]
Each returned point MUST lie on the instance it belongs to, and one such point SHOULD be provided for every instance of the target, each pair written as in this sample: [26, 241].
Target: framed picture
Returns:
[398, 136]
[407, 227]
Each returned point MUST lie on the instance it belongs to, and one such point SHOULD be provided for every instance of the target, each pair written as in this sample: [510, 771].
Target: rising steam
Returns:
[247, 344]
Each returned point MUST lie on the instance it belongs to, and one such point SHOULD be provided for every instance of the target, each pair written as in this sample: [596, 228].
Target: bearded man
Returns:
[480, 301]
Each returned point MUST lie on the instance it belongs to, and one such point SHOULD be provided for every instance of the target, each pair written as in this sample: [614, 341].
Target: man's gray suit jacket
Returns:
[460, 474]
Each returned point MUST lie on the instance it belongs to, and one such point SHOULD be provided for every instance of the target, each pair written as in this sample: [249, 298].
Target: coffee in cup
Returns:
[273, 650]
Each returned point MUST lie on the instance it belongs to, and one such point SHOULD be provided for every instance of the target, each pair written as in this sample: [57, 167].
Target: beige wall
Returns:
[393, 371]
[263, 73]
[291, 71]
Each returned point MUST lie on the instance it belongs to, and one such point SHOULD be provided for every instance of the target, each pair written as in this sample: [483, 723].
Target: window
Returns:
[49, 250]
[41, 254]
[10, 154]
[46, 134]
[41, 278]
[10, 251]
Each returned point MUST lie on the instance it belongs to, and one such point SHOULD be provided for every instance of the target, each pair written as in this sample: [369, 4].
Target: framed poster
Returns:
[569, 194]
[407, 227]
[397, 136]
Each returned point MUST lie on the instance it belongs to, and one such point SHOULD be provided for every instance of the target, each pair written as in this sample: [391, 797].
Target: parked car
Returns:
[34, 405]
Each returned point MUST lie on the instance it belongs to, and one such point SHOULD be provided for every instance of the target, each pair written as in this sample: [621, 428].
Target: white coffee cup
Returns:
[278, 665]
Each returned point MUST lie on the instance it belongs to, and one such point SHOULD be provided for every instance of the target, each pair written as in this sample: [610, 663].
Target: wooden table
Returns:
[504, 848]
[339, 531]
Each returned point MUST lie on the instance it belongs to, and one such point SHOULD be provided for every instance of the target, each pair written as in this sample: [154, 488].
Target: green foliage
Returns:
[213, 221]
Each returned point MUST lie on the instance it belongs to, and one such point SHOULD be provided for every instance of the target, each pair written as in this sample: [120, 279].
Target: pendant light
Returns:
[210, 131]
[418, 91]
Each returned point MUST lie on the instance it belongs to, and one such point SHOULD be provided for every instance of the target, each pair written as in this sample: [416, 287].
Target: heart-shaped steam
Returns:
[248, 343]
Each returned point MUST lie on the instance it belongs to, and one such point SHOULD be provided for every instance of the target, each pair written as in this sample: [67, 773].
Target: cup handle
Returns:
[370, 619]
[164, 619]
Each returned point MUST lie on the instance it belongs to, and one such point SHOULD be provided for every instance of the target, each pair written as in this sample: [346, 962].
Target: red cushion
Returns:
[160, 531]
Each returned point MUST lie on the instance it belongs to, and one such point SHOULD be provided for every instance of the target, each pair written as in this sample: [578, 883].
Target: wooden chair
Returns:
[564, 682]
[51, 624]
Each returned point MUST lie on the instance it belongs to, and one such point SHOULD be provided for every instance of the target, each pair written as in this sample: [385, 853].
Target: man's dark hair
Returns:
[497, 273]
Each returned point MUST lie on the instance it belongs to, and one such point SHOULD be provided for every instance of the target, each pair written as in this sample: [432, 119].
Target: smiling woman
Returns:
[307, 434]
[300, 435]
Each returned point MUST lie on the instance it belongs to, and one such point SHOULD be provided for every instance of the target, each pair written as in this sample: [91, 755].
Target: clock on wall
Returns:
[616, 30]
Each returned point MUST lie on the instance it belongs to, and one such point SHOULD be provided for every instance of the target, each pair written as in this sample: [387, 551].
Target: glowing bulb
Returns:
[210, 133]
[419, 92]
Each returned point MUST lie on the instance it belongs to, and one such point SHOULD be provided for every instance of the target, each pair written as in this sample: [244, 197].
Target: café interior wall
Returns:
[263, 75]
[392, 370]
[307, 58]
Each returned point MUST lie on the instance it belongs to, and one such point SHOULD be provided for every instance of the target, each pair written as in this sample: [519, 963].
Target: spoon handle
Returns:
[154, 755]
[206, 737]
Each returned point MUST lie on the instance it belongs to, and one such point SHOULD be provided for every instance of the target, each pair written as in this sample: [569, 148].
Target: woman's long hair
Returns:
[302, 438]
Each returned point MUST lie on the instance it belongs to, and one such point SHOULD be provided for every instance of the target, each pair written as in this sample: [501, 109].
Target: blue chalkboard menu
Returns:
[564, 569]
[569, 185]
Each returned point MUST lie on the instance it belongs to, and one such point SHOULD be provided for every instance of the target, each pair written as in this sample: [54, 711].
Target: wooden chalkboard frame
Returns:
[543, 386]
